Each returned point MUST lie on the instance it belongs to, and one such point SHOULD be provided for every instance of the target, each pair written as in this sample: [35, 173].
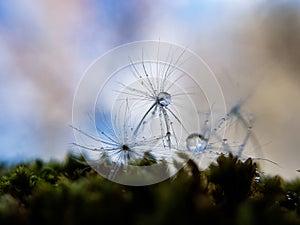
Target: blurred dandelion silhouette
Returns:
[232, 134]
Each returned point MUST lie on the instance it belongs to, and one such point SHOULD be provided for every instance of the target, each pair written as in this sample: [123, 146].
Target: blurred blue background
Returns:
[253, 46]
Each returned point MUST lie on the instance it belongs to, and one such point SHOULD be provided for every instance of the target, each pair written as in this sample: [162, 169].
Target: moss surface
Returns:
[228, 192]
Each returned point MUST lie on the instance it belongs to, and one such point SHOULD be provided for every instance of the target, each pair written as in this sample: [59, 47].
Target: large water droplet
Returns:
[196, 142]
[164, 98]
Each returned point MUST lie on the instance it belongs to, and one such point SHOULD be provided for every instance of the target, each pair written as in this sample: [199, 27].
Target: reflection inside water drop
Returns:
[196, 142]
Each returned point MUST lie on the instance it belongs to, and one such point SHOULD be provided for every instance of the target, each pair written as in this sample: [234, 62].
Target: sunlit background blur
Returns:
[45, 46]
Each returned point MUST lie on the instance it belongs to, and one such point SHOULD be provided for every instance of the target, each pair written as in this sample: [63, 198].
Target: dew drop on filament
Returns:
[164, 98]
[196, 143]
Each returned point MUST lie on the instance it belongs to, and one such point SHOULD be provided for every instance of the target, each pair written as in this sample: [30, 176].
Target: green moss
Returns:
[233, 179]
[72, 193]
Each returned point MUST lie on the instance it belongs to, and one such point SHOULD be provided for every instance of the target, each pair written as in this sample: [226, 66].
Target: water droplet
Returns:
[196, 142]
[225, 141]
[164, 98]
[221, 123]
[257, 179]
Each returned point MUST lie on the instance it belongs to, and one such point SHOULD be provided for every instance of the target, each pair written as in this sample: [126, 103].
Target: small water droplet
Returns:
[225, 141]
[257, 179]
[258, 176]
[196, 142]
[164, 98]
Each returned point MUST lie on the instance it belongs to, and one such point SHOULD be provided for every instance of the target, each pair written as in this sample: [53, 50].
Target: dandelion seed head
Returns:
[161, 104]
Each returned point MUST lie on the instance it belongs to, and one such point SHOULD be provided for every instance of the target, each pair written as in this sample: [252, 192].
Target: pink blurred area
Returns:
[45, 47]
